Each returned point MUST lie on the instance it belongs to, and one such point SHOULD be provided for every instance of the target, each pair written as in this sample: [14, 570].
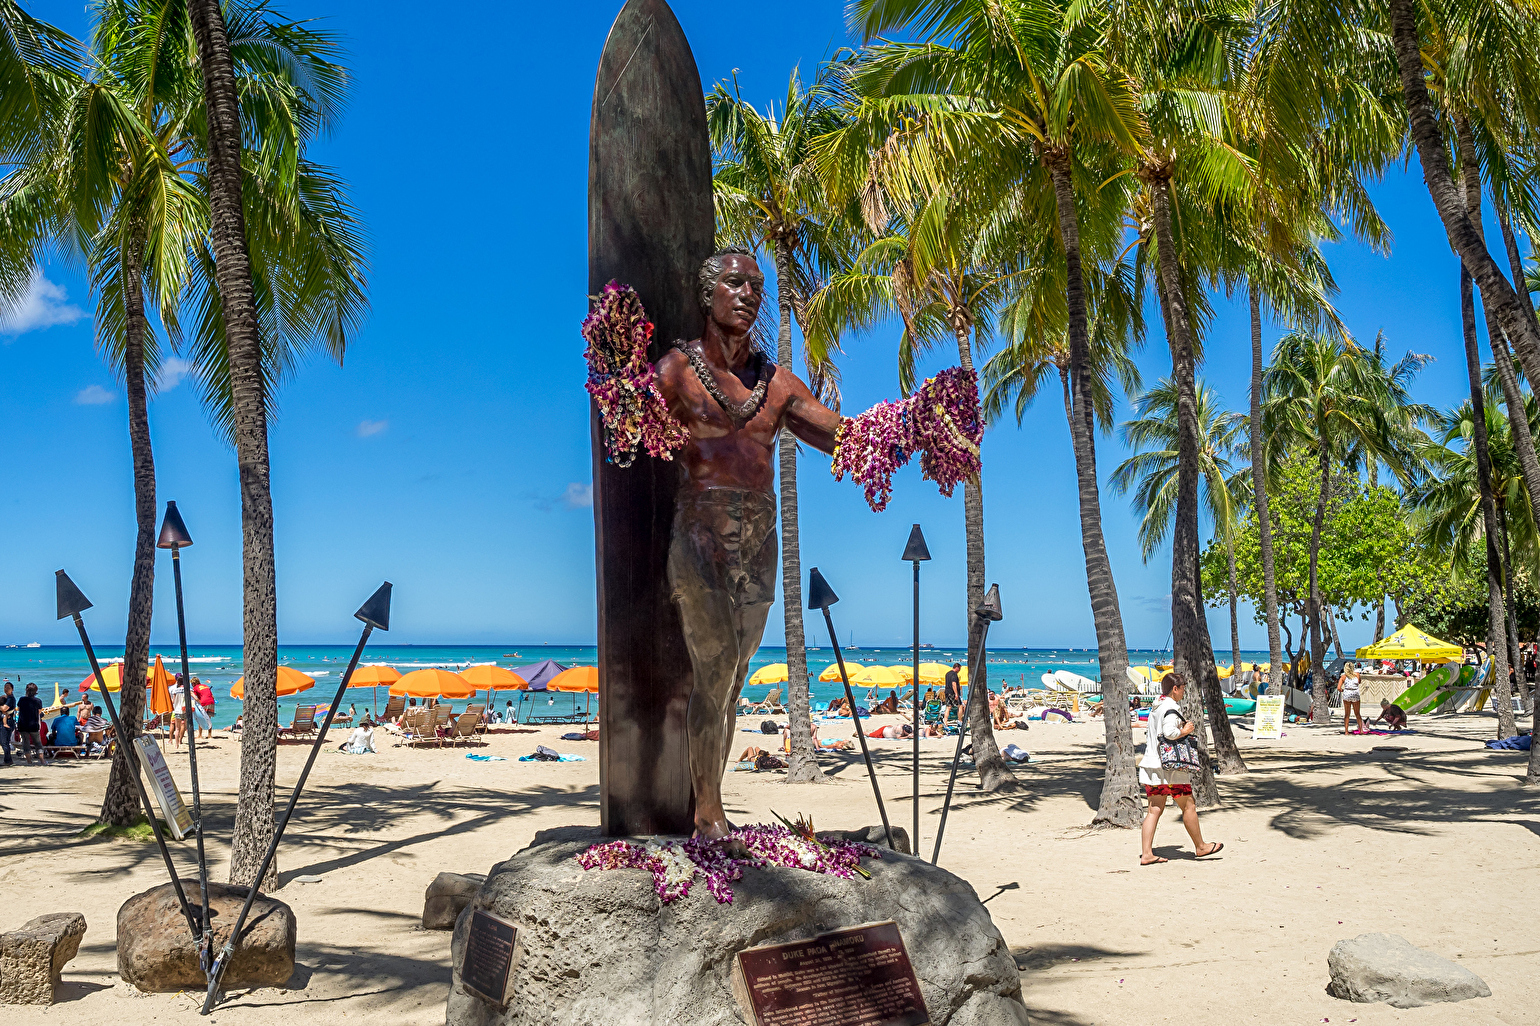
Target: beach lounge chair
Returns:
[394, 707]
[417, 726]
[771, 704]
[480, 710]
[464, 727]
[304, 722]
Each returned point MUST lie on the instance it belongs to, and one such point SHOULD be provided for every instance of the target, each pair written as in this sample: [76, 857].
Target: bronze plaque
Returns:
[491, 949]
[859, 976]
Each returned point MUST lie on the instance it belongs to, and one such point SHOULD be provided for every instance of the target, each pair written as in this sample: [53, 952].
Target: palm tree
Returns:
[1026, 86]
[1154, 473]
[768, 195]
[238, 358]
[935, 273]
[1322, 395]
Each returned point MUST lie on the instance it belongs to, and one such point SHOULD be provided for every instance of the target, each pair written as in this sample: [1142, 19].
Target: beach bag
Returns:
[769, 727]
[1181, 754]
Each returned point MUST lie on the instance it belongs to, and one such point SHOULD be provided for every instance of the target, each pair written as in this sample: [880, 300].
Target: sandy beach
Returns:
[1326, 838]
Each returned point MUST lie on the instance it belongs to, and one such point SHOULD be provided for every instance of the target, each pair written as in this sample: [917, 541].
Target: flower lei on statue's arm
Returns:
[623, 381]
[940, 421]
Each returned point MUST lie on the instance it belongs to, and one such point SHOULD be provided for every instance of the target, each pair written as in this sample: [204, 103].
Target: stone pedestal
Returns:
[600, 947]
[158, 954]
[33, 957]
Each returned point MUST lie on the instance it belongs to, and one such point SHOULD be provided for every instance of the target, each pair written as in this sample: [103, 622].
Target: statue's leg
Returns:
[702, 553]
[756, 592]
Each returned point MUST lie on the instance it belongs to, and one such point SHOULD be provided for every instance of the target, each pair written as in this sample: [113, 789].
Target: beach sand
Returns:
[1325, 839]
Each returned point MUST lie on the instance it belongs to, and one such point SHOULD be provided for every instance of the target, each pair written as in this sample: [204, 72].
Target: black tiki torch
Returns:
[821, 596]
[374, 613]
[174, 536]
[71, 602]
[916, 553]
[988, 612]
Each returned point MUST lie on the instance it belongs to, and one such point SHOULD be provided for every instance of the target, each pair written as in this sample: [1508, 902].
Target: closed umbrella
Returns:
[775, 673]
[493, 677]
[160, 689]
[290, 682]
[433, 683]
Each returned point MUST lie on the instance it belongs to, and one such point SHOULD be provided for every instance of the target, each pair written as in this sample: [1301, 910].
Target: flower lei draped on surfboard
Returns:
[675, 865]
[621, 379]
[940, 421]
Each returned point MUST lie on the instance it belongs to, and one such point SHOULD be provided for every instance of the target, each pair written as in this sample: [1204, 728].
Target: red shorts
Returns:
[1171, 790]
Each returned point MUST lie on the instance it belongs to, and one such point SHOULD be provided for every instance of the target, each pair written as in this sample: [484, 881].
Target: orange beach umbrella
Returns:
[290, 682]
[493, 678]
[160, 689]
[373, 676]
[433, 683]
[579, 678]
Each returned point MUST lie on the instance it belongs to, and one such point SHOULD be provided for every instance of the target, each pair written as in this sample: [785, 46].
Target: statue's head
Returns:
[731, 289]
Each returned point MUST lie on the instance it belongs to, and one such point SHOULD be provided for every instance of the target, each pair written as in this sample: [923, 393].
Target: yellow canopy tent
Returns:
[1412, 643]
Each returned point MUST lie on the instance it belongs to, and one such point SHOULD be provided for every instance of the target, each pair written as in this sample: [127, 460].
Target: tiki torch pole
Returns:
[821, 596]
[916, 553]
[174, 536]
[71, 603]
[988, 613]
[374, 613]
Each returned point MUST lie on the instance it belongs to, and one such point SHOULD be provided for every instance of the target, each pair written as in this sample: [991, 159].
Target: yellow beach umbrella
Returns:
[831, 673]
[879, 676]
[433, 683]
[1412, 643]
[777, 673]
[290, 682]
[112, 674]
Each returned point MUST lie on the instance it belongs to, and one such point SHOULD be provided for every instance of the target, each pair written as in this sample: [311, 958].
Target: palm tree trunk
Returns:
[1499, 297]
[120, 806]
[1336, 635]
[994, 774]
[802, 764]
[1515, 655]
[1120, 803]
[1189, 625]
[1259, 490]
[1320, 712]
[254, 821]
[1496, 616]
[1379, 620]
[1235, 625]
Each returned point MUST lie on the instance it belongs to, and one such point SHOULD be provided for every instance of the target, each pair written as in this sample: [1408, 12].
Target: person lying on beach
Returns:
[1392, 715]
[893, 731]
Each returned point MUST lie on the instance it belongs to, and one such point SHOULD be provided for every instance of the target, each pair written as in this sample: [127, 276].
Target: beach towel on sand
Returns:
[544, 754]
[484, 758]
[1520, 743]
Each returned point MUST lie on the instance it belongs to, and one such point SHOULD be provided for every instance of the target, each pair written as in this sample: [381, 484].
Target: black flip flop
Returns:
[1158, 861]
[1218, 847]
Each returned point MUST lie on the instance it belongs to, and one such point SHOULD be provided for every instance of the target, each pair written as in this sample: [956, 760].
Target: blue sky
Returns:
[451, 454]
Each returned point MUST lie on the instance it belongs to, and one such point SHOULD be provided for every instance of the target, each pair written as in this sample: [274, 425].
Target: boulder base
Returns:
[156, 953]
[1388, 967]
[447, 897]
[600, 947]
[33, 957]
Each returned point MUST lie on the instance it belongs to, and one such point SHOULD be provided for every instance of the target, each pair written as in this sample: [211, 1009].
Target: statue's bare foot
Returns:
[733, 848]
[711, 829]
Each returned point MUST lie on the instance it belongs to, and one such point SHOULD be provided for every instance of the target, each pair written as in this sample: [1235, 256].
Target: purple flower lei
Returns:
[676, 864]
[621, 379]
[940, 421]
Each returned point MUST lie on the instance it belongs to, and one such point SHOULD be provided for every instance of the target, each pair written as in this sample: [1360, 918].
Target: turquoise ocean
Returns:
[220, 665]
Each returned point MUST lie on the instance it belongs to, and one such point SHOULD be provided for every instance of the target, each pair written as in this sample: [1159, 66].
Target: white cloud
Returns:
[43, 306]
[94, 395]
[578, 496]
[371, 427]
[172, 371]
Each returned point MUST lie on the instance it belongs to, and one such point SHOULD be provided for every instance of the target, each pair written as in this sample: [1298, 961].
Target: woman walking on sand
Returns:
[1167, 777]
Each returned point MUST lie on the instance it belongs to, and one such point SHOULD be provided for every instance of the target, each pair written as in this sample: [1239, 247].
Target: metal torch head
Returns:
[376, 611]
[70, 599]
[915, 551]
[173, 533]
[989, 609]
[819, 594]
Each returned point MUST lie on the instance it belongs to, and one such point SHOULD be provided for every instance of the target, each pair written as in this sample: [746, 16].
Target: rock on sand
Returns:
[1387, 967]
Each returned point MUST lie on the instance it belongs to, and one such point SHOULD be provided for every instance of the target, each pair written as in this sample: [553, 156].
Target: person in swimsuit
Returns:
[1348, 688]
[723, 558]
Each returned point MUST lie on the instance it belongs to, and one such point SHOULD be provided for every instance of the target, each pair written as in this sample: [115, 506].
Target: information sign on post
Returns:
[164, 787]
[1269, 718]
[860, 976]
